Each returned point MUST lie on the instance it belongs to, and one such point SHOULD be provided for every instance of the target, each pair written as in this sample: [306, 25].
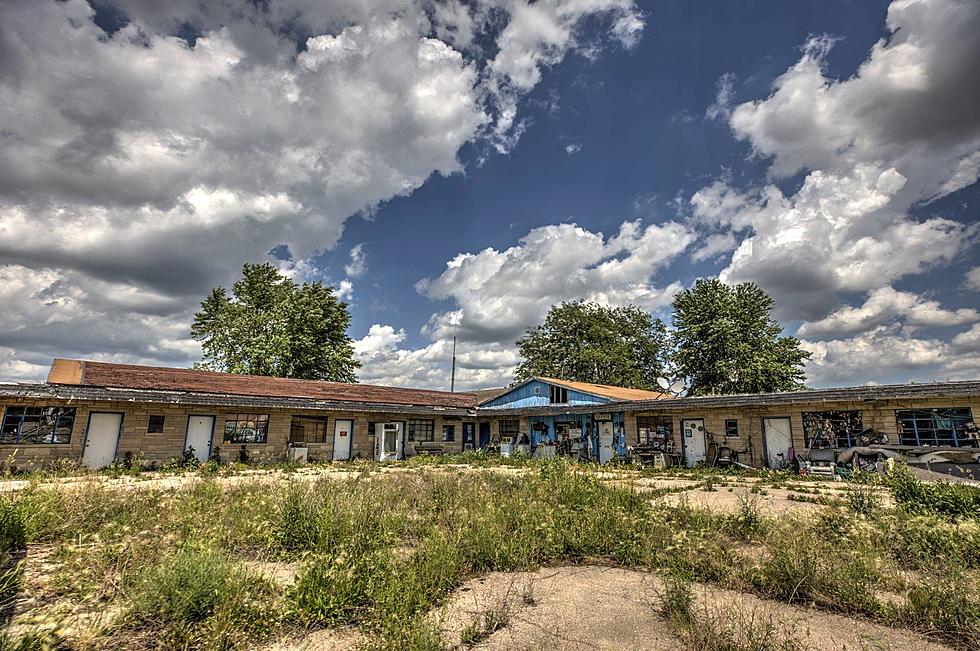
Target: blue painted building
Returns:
[547, 422]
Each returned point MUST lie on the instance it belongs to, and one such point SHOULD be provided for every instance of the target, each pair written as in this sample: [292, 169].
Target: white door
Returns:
[343, 432]
[605, 441]
[388, 441]
[693, 437]
[779, 440]
[101, 440]
[200, 429]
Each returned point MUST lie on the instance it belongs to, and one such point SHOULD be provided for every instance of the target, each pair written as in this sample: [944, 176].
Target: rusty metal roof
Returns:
[606, 390]
[152, 378]
[69, 393]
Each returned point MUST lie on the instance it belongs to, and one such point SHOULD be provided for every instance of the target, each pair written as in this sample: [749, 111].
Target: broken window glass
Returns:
[832, 429]
[937, 426]
[37, 425]
[246, 428]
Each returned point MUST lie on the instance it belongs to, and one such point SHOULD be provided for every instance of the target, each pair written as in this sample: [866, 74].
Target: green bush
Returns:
[946, 499]
[199, 597]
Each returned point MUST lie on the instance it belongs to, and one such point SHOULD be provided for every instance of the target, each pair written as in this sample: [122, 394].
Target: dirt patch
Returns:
[345, 639]
[575, 608]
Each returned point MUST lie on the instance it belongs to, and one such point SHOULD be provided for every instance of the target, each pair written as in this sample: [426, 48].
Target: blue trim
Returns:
[537, 393]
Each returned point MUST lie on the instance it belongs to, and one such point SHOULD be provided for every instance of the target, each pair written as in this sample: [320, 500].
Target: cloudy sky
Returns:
[473, 162]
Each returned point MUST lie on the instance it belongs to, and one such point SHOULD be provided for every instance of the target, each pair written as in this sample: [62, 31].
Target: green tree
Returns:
[270, 325]
[726, 342]
[587, 342]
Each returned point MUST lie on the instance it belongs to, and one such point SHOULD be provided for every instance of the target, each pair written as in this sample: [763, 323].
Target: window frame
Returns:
[836, 418]
[449, 432]
[556, 393]
[661, 427]
[57, 414]
[321, 422]
[923, 419]
[151, 421]
[246, 417]
[428, 427]
[731, 424]
[508, 432]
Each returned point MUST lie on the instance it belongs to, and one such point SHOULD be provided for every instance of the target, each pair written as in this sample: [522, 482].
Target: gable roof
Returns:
[607, 391]
[128, 376]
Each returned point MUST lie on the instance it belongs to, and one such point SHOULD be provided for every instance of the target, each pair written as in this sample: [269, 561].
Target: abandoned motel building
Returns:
[100, 413]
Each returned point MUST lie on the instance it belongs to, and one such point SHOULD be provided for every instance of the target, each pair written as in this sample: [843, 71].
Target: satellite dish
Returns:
[664, 384]
[677, 386]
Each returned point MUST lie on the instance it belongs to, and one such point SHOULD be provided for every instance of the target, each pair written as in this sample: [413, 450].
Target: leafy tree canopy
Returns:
[726, 341]
[271, 325]
[587, 342]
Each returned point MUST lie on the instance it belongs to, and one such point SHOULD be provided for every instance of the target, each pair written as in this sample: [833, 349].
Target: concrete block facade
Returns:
[167, 445]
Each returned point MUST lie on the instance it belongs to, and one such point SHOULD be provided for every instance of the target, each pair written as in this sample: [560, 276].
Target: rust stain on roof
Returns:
[608, 391]
[128, 376]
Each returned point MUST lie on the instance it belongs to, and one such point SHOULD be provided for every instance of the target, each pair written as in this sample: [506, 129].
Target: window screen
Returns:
[510, 428]
[37, 425]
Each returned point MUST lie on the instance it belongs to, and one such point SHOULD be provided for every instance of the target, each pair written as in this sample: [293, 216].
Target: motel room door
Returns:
[101, 439]
[779, 440]
[605, 441]
[200, 432]
[484, 435]
[342, 435]
[695, 449]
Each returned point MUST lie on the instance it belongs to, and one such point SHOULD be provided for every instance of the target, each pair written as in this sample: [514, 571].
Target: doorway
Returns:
[778, 437]
[484, 435]
[605, 441]
[200, 432]
[469, 436]
[695, 448]
[101, 439]
[343, 432]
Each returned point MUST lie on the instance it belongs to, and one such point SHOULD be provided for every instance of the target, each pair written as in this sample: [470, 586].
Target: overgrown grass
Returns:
[380, 551]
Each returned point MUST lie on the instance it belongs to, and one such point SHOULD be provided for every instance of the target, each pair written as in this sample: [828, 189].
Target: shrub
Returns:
[198, 594]
[942, 498]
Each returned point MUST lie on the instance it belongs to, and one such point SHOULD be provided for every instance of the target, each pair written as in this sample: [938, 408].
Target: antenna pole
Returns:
[452, 377]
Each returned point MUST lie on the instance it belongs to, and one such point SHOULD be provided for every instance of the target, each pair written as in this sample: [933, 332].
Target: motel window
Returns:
[37, 425]
[422, 430]
[155, 425]
[246, 428]
[559, 395]
[448, 433]
[834, 429]
[308, 429]
[650, 428]
[731, 428]
[939, 426]
[510, 428]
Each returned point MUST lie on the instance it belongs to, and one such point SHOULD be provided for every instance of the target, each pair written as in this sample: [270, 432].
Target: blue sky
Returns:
[827, 150]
